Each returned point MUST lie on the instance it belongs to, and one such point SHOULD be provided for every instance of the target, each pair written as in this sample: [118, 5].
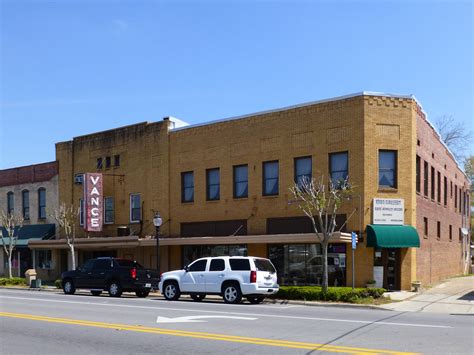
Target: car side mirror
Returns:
[186, 268]
[79, 268]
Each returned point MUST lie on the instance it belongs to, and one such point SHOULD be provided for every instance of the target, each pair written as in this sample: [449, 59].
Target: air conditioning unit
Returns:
[78, 179]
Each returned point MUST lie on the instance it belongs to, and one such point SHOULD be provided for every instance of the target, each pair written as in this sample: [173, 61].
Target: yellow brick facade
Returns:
[153, 156]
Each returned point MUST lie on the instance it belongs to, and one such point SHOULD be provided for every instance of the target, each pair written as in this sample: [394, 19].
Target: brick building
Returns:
[32, 192]
[222, 187]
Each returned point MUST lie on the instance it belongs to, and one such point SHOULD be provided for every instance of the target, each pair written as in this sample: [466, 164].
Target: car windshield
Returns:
[264, 265]
[128, 263]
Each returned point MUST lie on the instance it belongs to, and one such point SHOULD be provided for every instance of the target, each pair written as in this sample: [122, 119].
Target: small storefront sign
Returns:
[388, 211]
[93, 197]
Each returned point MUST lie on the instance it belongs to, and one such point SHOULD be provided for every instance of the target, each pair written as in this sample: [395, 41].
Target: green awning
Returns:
[389, 236]
[30, 232]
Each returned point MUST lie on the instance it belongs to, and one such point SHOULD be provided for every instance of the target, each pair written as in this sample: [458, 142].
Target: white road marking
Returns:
[195, 319]
[236, 313]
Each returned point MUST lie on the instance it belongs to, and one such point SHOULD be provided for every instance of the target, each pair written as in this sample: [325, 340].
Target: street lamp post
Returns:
[157, 221]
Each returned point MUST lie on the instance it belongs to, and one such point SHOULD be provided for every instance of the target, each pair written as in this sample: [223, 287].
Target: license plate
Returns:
[147, 285]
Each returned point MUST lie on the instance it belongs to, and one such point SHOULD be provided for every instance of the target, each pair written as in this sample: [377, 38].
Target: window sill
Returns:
[109, 223]
[212, 201]
[240, 198]
[387, 189]
[425, 237]
[135, 222]
[187, 202]
[270, 196]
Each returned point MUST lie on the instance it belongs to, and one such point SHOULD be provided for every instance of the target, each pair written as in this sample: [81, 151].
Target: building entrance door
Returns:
[391, 264]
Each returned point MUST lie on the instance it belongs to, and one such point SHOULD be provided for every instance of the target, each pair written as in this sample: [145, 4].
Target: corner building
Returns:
[222, 187]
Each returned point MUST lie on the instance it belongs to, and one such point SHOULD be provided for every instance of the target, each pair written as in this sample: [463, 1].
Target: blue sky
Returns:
[74, 67]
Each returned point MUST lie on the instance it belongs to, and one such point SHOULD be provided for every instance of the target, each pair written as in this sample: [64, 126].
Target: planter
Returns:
[416, 286]
[370, 285]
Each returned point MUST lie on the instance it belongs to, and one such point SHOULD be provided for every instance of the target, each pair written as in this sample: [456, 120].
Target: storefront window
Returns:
[302, 264]
[43, 259]
[193, 252]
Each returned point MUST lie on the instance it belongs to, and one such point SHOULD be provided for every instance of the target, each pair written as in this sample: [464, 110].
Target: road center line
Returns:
[375, 322]
[207, 336]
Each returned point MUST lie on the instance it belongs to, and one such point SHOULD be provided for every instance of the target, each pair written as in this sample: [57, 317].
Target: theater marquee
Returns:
[93, 197]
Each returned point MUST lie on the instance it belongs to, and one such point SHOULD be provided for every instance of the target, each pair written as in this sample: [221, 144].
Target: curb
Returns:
[215, 297]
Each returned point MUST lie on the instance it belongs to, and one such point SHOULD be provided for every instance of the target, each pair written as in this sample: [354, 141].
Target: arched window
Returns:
[25, 198]
[10, 202]
[42, 203]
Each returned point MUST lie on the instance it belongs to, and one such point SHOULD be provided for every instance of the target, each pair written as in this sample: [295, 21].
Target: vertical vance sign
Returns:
[93, 197]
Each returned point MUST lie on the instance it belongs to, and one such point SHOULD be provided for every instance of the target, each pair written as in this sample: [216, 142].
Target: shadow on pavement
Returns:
[467, 297]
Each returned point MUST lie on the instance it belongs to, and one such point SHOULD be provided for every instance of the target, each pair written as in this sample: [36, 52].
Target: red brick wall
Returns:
[438, 258]
[28, 174]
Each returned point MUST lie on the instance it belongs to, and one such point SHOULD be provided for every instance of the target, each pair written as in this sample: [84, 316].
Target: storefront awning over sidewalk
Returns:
[31, 232]
[388, 236]
[134, 241]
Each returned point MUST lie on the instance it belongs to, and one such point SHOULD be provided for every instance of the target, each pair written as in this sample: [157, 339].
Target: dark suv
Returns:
[110, 274]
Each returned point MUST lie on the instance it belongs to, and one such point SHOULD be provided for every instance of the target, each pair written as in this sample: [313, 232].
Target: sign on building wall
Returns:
[388, 211]
[93, 197]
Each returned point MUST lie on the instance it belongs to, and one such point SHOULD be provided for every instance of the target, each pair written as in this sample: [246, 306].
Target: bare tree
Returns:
[455, 135]
[12, 223]
[66, 217]
[320, 202]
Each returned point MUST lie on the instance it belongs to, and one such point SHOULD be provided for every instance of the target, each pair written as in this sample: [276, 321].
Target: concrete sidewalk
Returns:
[452, 296]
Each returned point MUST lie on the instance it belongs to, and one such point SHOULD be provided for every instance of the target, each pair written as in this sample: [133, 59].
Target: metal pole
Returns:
[353, 269]
[158, 249]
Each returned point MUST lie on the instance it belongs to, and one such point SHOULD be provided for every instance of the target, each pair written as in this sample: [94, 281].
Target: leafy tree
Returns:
[12, 223]
[320, 202]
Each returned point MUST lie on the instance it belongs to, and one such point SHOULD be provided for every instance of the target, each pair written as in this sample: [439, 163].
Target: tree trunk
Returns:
[324, 247]
[73, 256]
[10, 266]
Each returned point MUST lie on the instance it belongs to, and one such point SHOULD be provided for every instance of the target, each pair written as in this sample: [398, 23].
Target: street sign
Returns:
[354, 240]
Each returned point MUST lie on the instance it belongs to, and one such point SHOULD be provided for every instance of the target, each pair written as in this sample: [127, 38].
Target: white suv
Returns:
[229, 276]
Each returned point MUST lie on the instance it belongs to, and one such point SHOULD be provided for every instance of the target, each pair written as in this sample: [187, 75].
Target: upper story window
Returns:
[10, 202]
[425, 179]
[439, 187]
[109, 210]
[388, 168]
[108, 162]
[303, 170]
[338, 167]
[99, 163]
[241, 181]
[445, 191]
[270, 178]
[187, 186]
[455, 197]
[418, 172]
[42, 203]
[81, 212]
[117, 160]
[213, 184]
[135, 208]
[433, 177]
[25, 197]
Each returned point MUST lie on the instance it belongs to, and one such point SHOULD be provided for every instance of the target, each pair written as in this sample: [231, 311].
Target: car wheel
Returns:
[68, 287]
[142, 293]
[96, 293]
[198, 297]
[115, 290]
[231, 293]
[255, 299]
[171, 291]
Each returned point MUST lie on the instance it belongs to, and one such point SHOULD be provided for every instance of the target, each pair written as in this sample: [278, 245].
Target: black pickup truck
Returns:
[110, 274]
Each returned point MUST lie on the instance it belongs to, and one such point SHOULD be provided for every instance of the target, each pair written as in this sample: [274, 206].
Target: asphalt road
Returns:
[54, 323]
